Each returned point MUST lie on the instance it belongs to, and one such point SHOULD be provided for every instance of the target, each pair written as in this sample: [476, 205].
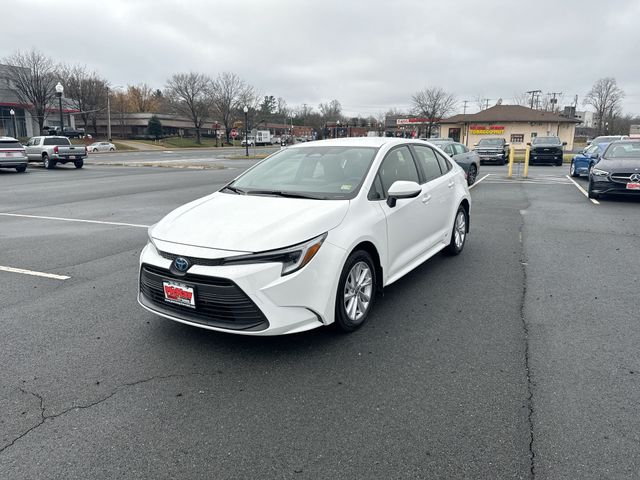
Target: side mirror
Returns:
[564, 144]
[475, 144]
[507, 144]
[402, 189]
[529, 143]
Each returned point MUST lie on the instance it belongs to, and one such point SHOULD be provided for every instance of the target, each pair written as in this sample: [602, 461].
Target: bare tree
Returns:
[86, 92]
[191, 95]
[331, 111]
[143, 98]
[231, 95]
[606, 98]
[521, 99]
[433, 104]
[32, 77]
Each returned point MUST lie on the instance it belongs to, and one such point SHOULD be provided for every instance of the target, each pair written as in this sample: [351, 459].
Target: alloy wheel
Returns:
[358, 289]
[460, 229]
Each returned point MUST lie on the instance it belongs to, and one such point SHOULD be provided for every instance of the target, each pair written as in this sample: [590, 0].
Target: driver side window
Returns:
[397, 165]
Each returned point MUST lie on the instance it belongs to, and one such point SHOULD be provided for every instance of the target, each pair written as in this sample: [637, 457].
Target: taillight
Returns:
[55, 149]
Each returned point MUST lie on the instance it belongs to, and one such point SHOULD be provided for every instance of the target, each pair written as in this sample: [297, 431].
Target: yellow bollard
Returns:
[512, 155]
[526, 161]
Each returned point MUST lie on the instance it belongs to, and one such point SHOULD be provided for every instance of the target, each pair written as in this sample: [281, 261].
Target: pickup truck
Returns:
[54, 150]
[492, 150]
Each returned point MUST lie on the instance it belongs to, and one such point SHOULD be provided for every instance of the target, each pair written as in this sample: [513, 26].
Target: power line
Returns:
[533, 94]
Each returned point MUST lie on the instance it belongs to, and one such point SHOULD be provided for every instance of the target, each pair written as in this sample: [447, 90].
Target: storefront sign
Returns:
[412, 121]
[486, 129]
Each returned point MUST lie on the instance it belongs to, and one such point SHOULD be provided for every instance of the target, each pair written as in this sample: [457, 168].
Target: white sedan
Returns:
[101, 147]
[306, 238]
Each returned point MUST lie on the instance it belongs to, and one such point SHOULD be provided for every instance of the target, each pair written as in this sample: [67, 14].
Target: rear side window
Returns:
[9, 144]
[445, 164]
[428, 161]
[57, 141]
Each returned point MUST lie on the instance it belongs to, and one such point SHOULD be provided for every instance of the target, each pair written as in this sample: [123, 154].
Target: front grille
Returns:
[621, 177]
[219, 301]
[209, 262]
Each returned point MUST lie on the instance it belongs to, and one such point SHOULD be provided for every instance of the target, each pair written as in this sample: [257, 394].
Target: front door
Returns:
[454, 133]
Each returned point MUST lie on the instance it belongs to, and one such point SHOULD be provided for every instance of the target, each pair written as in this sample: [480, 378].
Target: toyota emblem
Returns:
[181, 264]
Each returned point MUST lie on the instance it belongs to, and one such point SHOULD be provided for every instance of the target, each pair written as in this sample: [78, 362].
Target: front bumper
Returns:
[555, 157]
[605, 186]
[492, 157]
[258, 300]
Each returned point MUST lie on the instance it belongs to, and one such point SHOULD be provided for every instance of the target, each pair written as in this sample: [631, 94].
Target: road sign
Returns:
[234, 132]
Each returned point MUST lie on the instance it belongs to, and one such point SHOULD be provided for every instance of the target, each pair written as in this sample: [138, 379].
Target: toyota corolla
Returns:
[306, 238]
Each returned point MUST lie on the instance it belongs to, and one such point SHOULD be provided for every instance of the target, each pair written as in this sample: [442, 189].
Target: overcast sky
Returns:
[371, 55]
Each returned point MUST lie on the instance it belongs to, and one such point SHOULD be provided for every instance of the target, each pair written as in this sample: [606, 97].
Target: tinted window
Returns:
[57, 141]
[398, 165]
[490, 142]
[9, 144]
[428, 161]
[547, 140]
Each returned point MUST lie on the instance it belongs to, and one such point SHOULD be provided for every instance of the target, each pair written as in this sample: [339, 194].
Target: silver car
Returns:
[13, 154]
[467, 159]
[101, 147]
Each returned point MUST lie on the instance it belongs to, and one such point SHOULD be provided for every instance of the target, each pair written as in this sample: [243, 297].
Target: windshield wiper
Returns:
[279, 193]
[238, 191]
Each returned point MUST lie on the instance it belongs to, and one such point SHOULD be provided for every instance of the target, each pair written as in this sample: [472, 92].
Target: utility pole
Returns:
[487, 104]
[554, 100]
[464, 112]
[533, 94]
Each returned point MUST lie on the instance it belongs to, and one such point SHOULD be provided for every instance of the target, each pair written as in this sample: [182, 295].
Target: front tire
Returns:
[471, 175]
[356, 291]
[459, 232]
[572, 170]
[48, 163]
[590, 191]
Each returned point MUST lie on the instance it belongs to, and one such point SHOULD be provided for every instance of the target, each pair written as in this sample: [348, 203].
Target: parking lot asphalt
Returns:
[516, 359]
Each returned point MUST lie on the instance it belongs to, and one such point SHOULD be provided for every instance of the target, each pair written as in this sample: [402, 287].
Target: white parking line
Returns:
[584, 192]
[478, 181]
[99, 222]
[34, 273]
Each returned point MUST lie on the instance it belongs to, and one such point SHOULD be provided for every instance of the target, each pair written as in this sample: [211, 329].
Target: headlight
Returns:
[599, 173]
[292, 258]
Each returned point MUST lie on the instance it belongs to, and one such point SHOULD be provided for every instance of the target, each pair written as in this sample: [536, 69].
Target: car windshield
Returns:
[622, 150]
[325, 172]
[592, 149]
[57, 141]
[546, 140]
[490, 142]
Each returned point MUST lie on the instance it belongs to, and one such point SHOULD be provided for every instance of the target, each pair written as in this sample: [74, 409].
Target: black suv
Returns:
[546, 150]
[492, 150]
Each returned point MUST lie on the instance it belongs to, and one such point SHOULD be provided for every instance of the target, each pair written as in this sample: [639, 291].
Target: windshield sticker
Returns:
[345, 187]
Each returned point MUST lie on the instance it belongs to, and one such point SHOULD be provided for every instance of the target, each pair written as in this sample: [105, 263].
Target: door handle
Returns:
[451, 184]
[426, 198]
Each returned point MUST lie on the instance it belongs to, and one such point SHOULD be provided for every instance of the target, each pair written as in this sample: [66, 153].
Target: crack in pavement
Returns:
[117, 389]
[525, 326]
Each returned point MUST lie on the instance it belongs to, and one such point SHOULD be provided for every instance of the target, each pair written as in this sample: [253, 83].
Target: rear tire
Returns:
[112, 149]
[356, 291]
[78, 163]
[48, 163]
[21, 169]
[459, 232]
[559, 163]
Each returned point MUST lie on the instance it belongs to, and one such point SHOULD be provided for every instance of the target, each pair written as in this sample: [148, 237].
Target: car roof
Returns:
[375, 142]
[9, 139]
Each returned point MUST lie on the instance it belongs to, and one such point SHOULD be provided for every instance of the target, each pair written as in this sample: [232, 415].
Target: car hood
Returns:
[612, 165]
[249, 223]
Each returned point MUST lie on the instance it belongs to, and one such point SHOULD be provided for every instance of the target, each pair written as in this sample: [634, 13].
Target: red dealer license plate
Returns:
[179, 294]
[633, 186]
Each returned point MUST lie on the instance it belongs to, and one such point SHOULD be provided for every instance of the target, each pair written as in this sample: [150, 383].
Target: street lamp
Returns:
[337, 127]
[59, 92]
[246, 129]
[12, 112]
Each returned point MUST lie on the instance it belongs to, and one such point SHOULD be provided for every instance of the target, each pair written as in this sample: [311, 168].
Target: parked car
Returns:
[605, 139]
[306, 238]
[546, 150]
[54, 150]
[492, 150]
[250, 140]
[101, 147]
[13, 154]
[583, 162]
[467, 159]
[67, 132]
[617, 170]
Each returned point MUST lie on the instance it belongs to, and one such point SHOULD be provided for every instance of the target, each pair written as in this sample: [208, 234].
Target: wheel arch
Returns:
[371, 249]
